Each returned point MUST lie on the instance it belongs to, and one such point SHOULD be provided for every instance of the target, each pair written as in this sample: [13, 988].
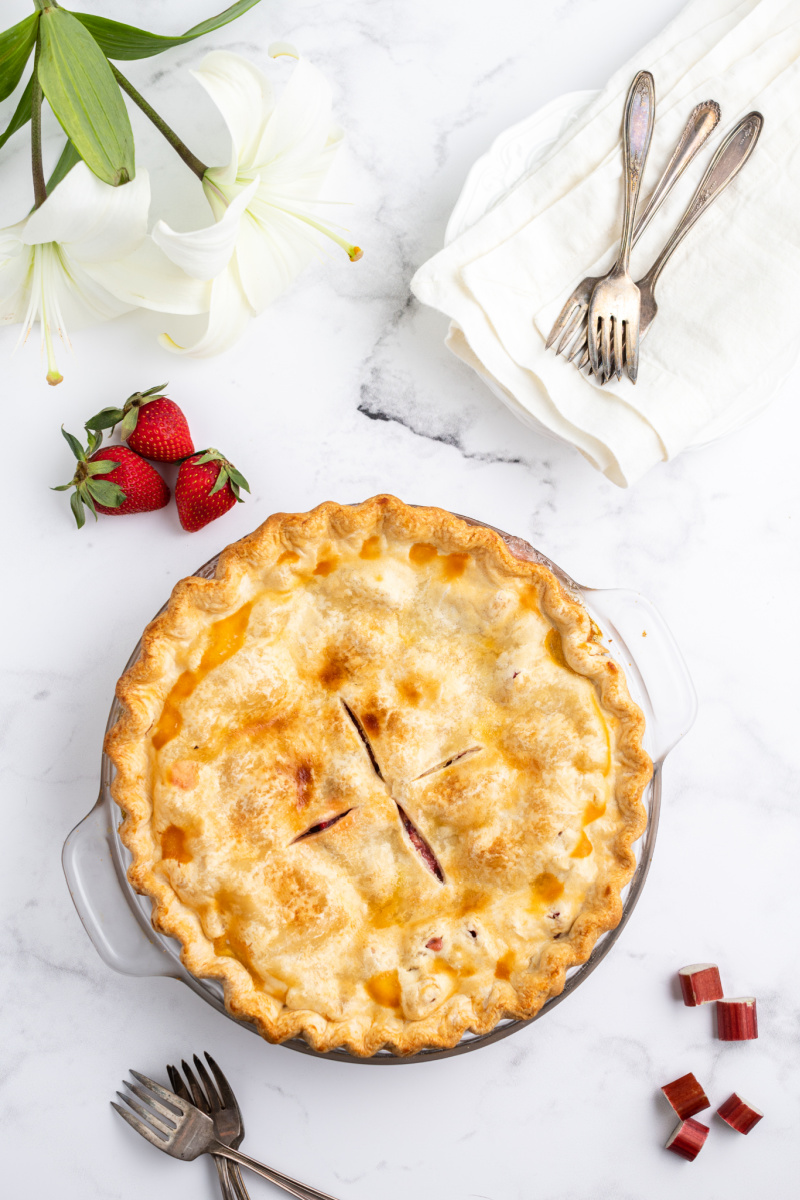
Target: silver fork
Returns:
[613, 319]
[570, 327]
[180, 1129]
[220, 1103]
[723, 169]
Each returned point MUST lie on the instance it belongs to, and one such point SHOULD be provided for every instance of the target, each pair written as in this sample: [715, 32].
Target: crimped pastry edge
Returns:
[187, 613]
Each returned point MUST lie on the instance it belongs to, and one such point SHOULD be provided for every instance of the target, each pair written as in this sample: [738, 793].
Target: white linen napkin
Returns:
[728, 326]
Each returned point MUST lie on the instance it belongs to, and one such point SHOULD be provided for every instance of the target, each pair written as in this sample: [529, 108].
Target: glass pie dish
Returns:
[118, 920]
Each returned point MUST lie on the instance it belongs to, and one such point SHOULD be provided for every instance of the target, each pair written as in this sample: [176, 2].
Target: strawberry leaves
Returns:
[87, 488]
[227, 474]
[109, 418]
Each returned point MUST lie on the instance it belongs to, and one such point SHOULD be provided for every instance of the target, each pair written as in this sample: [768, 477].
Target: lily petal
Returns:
[80, 300]
[298, 128]
[204, 253]
[98, 222]
[228, 318]
[148, 279]
[15, 275]
[244, 97]
[270, 255]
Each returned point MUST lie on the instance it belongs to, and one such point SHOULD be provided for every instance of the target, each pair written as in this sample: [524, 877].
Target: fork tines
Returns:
[153, 1118]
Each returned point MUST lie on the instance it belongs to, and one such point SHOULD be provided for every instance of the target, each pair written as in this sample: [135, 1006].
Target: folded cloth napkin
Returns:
[728, 326]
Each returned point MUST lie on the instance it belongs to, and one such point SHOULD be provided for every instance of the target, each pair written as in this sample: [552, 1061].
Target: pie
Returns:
[380, 776]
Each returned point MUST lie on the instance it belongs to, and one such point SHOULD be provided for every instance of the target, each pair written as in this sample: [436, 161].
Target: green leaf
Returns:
[125, 42]
[102, 466]
[104, 492]
[76, 79]
[87, 500]
[238, 478]
[223, 18]
[76, 505]
[222, 479]
[95, 440]
[22, 114]
[129, 423]
[16, 44]
[69, 157]
[74, 445]
[107, 418]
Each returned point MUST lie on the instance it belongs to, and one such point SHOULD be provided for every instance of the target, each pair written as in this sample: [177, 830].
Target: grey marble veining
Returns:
[342, 390]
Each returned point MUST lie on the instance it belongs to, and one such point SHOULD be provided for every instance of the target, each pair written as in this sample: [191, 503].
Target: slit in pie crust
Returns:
[380, 777]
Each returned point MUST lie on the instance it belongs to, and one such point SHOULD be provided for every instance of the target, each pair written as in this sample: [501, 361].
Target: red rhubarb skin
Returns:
[686, 1096]
[690, 1139]
[702, 987]
[739, 1115]
[737, 1023]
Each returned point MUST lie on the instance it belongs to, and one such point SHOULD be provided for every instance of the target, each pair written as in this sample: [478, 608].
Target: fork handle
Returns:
[703, 120]
[725, 166]
[640, 114]
[293, 1186]
[224, 1171]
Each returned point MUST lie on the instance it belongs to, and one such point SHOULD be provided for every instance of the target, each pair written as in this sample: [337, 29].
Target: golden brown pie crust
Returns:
[380, 777]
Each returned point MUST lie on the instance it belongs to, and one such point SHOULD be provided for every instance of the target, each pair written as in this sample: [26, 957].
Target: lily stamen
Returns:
[354, 253]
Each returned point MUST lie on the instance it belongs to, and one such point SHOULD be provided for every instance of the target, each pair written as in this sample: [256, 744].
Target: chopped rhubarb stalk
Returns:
[736, 1019]
[688, 1139]
[700, 984]
[686, 1096]
[434, 944]
[740, 1115]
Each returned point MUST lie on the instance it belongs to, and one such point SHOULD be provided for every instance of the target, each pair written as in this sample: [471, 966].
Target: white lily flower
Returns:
[263, 200]
[84, 256]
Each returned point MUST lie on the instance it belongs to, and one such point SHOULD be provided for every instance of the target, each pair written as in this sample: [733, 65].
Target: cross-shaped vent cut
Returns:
[415, 838]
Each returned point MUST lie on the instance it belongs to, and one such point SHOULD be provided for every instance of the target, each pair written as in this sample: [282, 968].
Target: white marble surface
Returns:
[343, 390]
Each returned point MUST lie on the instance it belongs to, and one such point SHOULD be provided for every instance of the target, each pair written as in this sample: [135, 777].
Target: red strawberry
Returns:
[114, 481]
[152, 425]
[207, 486]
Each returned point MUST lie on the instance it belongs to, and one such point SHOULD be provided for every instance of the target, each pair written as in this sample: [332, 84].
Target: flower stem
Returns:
[191, 160]
[37, 166]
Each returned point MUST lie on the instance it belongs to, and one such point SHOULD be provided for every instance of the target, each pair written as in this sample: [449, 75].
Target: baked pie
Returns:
[380, 777]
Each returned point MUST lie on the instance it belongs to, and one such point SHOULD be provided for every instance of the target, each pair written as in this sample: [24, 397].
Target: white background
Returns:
[342, 390]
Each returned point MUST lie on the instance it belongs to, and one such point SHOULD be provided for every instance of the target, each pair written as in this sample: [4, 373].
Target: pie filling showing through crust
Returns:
[380, 777]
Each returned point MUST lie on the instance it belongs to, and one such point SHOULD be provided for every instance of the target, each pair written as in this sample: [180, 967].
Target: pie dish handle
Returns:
[94, 884]
[638, 637]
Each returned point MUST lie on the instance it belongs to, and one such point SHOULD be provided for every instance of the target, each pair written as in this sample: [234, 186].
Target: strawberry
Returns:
[207, 486]
[114, 481]
[152, 425]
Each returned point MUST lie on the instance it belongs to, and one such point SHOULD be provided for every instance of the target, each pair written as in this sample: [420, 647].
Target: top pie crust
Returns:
[380, 776]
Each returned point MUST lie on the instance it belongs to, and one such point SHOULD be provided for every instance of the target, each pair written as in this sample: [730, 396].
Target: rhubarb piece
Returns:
[700, 984]
[740, 1115]
[686, 1096]
[736, 1019]
[688, 1139]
